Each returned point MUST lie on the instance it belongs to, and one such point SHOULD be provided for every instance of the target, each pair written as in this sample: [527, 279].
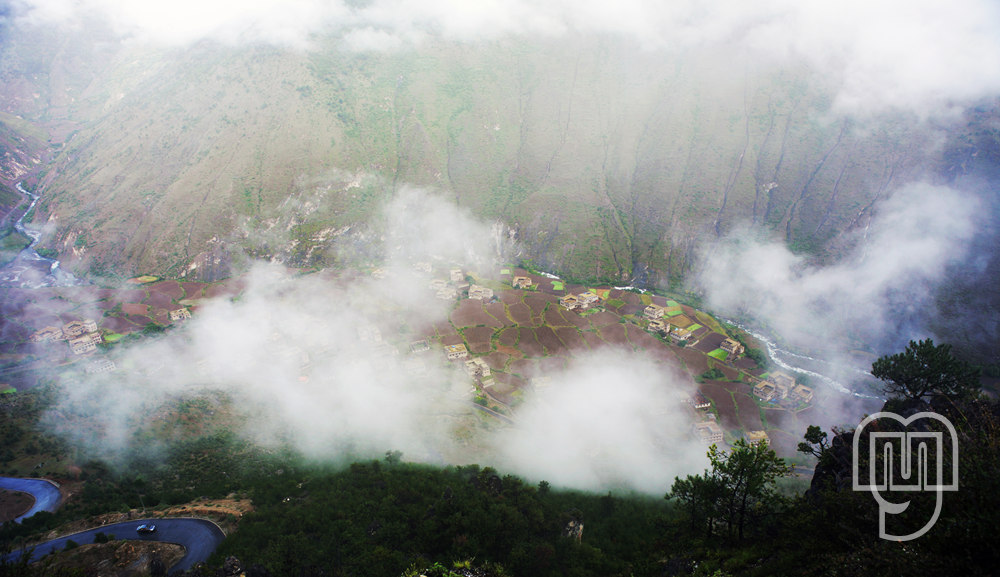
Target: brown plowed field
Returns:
[749, 412]
[695, 362]
[519, 313]
[478, 334]
[468, 313]
[575, 320]
[479, 348]
[710, 342]
[498, 312]
[497, 360]
[508, 336]
[159, 301]
[547, 337]
[615, 335]
[571, 338]
[451, 339]
[644, 340]
[719, 394]
[132, 295]
[510, 296]
[139, 320]
[537, 302]
[528, 344]
[171, 288]
[603, 318]
[193, 290]
[594, 340]
[554, 317]
[631, 310]
[443, 327]
[135, 309]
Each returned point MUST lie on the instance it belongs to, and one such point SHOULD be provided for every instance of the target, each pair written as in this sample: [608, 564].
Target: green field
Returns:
[719, 354]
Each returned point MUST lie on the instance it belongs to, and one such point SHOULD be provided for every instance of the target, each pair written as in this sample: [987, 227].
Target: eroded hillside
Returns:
[605, 160]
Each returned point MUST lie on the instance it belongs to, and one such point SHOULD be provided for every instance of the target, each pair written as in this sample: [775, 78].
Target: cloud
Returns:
[611, 419]
[321, 363]
[920, 57]
[882, 293]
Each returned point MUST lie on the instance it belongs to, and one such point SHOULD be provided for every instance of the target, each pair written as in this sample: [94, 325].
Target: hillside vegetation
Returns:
[605, 160]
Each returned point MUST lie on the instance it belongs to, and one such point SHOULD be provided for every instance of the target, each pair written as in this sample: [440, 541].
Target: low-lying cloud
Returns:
[922, 57]
[321, 363]
[881, 294]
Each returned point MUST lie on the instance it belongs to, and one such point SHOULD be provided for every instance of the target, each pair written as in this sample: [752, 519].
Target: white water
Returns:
[780, 356]
[19, 272]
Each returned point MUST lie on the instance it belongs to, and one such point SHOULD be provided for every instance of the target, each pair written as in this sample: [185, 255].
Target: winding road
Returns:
[199, 537]
[46, 494]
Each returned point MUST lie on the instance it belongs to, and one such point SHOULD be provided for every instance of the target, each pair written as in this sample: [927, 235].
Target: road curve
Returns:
[46, 494]
[199, 537]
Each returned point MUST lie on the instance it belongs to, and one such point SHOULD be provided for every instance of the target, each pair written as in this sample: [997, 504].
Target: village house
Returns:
[419, 346]
[180, 314]
[732, 347]
[101, 366]
[804, 393]
[423, 267]
[456, 275]
[438, 284]
[708, 432]
[569, 302]
[783, 384]
[85, 343]
[653, 311]
[521, 282]
[480, 292]
[756, 437]
[588, 299]
[764, 391]
[699, 401]
[48, 334]
[659, 326]
[74, 329]
[456, 351]
[477, 368]
[679, 334]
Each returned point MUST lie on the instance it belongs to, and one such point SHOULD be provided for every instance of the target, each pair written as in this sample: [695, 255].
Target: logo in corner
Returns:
[921, 456]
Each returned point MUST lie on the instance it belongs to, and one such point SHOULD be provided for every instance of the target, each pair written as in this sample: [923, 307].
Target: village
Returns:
[506, 333]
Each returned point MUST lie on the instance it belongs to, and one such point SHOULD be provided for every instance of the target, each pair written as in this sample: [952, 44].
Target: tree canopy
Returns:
[925, 370]
[738, 483]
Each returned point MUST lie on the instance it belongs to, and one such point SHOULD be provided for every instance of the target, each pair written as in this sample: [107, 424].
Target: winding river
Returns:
[30, 269]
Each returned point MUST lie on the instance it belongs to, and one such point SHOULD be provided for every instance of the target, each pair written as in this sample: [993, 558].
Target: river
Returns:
[30, 269]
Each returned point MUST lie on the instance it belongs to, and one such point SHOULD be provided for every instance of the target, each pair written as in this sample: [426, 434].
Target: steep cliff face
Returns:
[605, 160]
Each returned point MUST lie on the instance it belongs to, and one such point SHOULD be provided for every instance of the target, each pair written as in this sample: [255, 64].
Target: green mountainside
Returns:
[605, 160]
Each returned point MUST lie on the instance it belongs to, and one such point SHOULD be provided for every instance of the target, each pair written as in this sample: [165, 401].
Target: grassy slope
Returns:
[607, 160]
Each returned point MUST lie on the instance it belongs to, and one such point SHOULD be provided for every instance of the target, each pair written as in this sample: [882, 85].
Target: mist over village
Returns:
[498, 289]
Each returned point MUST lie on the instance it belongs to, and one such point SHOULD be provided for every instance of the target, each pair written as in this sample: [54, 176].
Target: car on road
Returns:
[145, 529]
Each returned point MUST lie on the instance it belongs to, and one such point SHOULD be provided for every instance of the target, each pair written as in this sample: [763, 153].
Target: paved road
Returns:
[46, 494]
[198, 536]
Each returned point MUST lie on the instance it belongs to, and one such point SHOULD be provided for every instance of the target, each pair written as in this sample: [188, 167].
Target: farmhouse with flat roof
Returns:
[708, 432]
[756, 437]
[731, 346]
[521, 282]
[456, 351]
